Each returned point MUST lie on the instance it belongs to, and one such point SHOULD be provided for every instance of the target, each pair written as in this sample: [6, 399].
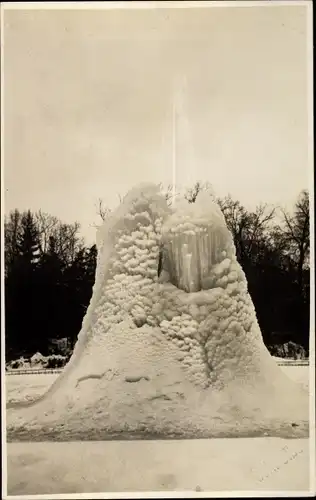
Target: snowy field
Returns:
[254, 464]
[26, 387]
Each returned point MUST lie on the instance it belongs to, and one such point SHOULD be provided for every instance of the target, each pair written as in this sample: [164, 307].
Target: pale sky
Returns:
[88, 100]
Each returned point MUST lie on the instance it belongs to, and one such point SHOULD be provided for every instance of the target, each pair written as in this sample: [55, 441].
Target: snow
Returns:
[36, 362]
[196, 465]
[258, 464]
[29, 387]
[37, 359]
[291, 361]
[190, 338]
[19, 364]
[297, 373]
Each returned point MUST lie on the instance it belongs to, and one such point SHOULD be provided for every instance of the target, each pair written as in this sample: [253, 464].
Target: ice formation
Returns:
[171, 353]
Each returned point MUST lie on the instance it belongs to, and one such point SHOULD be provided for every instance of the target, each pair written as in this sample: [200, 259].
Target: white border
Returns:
[310, 99]
[166, 494]
[104, 5]
[3, 385]
[173, 5]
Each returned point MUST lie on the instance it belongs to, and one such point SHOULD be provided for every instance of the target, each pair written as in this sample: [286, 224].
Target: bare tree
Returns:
[297, 234]
[191, 194]
[168, 193]
[65, 236]
[249, 229]
[12, 232]
[46, 225]
[67, 241]
[102, 210]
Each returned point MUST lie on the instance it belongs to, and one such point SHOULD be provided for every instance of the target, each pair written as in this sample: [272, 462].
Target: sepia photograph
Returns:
[157, 278]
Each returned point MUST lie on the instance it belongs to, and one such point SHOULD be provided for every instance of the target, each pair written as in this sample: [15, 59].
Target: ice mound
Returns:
[169, 352]
[195, 238]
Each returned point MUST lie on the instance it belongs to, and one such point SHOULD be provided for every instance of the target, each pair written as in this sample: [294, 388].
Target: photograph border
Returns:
[171, 5]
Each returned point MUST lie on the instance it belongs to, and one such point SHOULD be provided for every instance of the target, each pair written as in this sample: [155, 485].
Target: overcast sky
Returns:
[88, 99]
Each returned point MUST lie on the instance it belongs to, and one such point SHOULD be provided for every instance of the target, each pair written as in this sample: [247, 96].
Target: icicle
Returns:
[197, 260]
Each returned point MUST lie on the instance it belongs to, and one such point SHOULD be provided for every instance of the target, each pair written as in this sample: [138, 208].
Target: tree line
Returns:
[49, 273]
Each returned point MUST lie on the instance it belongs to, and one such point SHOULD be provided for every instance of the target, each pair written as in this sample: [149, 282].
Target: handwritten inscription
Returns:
[278, 467]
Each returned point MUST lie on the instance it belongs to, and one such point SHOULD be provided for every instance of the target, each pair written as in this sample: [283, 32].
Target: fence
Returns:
[292, 362]
[34, 372]
[48, 371]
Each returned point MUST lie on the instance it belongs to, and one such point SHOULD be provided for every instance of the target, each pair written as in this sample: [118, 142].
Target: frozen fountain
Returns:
[175, 355]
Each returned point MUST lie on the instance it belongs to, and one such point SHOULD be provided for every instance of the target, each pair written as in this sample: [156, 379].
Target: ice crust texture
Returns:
[180, 354]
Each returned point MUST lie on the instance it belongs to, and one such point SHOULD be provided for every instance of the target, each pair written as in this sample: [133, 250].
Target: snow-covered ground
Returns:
[297, 373]
[254, 464]
[262, 464]
[24, 387]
